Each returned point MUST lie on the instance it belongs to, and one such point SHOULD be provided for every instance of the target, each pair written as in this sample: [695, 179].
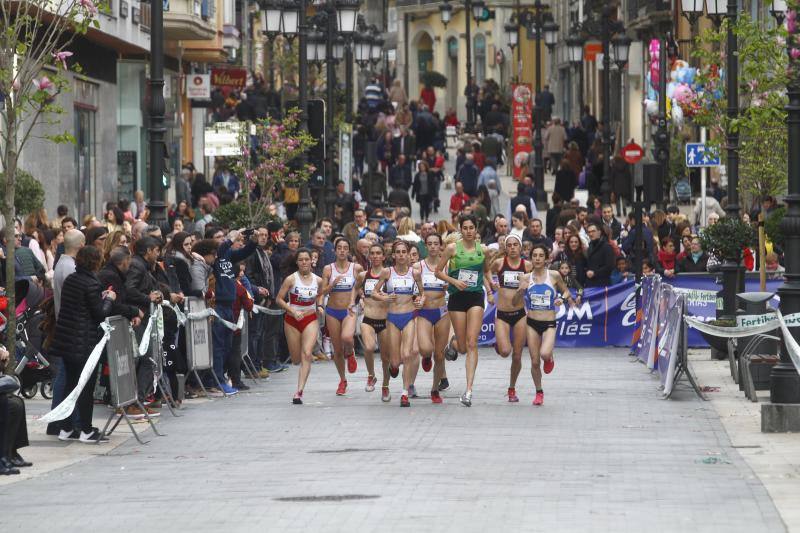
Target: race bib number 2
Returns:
[540, 300]
[469, 277]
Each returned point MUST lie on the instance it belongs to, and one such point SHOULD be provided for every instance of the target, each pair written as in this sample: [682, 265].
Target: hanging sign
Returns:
[232, 78]
[522, 111]
[198, 86]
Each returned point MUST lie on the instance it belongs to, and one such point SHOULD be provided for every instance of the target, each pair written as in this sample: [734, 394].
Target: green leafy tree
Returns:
[761, 123]
[35, 40]
[28, 193]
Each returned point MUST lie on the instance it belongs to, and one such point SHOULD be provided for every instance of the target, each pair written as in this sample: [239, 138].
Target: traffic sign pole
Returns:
[703, 178]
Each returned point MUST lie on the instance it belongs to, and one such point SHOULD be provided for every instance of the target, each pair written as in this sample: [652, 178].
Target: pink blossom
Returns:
[15, 84]
[791, 21]
[43, 84]
[795, 53]
[89, 6]
[62, 57]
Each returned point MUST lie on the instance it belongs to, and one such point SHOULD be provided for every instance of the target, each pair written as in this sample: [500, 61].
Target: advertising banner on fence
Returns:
[700, 293]
[521, 116]
[605, 317]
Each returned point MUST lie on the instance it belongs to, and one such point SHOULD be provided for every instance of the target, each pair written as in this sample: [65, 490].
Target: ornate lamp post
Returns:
[156, 129]
[575, 55]
[272, 26]
[612, 34]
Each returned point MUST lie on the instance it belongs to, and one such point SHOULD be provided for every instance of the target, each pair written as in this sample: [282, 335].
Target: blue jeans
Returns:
[222, 339]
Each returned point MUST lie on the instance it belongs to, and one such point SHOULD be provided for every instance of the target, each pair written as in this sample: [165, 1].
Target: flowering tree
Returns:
[35, 37]
[270, 160]
[762, 97]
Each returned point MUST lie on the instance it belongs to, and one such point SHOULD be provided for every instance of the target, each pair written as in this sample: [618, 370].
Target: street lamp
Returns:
[604, 29]
[472, 8]
[271, 26]
[512, 34]
[347, 16]
[692, 10]
[376, 50]
[778, 8]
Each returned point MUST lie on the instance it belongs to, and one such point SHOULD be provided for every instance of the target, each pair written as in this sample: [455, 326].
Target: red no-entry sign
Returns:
[632, 153]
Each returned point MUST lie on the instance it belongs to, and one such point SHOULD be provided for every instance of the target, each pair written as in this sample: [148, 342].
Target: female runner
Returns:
[300, 322]
[373, 326]
[338, 280]
[399, 282]
[433, 326]
[510, 308]
[413, 259]
[541, 289]
[467, 259]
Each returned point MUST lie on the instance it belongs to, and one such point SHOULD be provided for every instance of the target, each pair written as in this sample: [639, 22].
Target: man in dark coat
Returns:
[522, 198]
[400, 174]
[468, 175]
[600, 259]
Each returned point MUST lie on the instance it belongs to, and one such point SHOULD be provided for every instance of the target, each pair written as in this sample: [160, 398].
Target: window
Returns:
[479, 52]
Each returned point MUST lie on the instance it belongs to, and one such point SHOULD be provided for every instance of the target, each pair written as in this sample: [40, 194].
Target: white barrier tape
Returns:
[178, 313]
[205, 313]
[788, 338]
[730, 332]
[266, 311]
[65, 408]
[148, 332]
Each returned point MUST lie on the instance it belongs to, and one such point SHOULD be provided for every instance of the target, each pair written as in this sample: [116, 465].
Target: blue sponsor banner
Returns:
[607, 315]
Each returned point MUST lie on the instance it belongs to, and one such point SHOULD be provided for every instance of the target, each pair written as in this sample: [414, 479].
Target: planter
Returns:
[760, 369]
[719, 345]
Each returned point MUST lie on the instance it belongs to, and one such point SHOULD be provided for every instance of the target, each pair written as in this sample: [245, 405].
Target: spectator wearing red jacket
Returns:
[458, 201]
[667, 256]
[243, 302]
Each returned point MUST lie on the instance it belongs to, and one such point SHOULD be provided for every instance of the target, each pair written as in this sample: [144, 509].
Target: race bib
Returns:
[430, 281]
[369, 286]
[403, 285]
[470, 277]
[306, 294]
[511, 279]
[345, 282]
[540, 300]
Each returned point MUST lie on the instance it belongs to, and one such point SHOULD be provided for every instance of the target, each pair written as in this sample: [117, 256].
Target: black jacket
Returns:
[139, 283]
[616, 227]
[687, 264]
[600, 258]
[180, 275]
[259, 270]
[400, 177]
[522, 199]
[566, 181]
[82, 310]
[431, 177]
[110, 276]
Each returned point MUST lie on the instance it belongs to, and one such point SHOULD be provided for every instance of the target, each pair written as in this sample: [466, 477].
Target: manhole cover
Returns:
[350, 450]
[329, 498]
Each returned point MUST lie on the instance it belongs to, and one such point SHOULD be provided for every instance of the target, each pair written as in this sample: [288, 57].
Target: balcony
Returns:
[643, 14]
[188, 20]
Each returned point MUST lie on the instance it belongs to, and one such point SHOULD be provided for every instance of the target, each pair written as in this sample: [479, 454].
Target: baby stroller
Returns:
[683, 192]
[33, 369]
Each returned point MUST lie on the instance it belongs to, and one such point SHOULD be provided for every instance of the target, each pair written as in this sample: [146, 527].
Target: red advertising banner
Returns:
[521, 120]
[232, 78]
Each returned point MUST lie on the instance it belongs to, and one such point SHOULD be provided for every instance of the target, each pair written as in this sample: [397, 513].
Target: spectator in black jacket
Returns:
[600, 259]
[611, 222]
[85, 304]
[522, 198]
[468, 175]
[400, 174]
[566, 181]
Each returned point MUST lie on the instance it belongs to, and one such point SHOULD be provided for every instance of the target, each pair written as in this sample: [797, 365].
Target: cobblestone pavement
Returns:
[603, 454]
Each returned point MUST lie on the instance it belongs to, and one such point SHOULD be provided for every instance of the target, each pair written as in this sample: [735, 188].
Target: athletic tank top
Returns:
[508, 276]
[467, 267]
[369, 283]
[541, 294]
[429, 280]
[302, 296]
[400, 285]
[346, 283]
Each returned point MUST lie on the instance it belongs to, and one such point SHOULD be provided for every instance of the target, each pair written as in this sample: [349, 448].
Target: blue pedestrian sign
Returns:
[700, 155]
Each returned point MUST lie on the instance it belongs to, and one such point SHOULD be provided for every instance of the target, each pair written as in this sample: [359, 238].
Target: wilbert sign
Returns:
[232, 78]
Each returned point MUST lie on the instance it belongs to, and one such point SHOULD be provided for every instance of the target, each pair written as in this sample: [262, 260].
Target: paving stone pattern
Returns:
[603, 454]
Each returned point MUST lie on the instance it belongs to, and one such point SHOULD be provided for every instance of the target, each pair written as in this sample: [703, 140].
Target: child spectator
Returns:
[621, 272]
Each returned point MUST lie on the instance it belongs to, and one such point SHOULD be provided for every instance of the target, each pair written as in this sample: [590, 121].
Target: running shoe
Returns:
[298, 398]
[412, 391]
[352, 363]
[92, 437]
[466, 399]
[512, 395]
[394, 371]
[342, 388]
[450, 353]
[427, 364]
[404, 401]
[444, 384]
[549, 364]
[371, 381]
[386, 396]
[65, 435]
[228, 390]
[539, 400]
[435, 397]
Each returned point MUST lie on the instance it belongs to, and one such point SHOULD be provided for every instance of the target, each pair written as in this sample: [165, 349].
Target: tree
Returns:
[761, 123]
[270, 160]
[28, 192]
[35, 36]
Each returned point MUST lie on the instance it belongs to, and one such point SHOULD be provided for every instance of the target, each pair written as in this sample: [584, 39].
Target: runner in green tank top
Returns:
[467, 259]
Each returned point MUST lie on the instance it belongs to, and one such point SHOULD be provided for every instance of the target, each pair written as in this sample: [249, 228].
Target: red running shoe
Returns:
[404, 401]
[549, 364]
[342, 388]
[512, 395]
[427, 364]
[371, 381]
[352, 363]
[394, 371]
[386, 396]
[539, 400]
[435, 397]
